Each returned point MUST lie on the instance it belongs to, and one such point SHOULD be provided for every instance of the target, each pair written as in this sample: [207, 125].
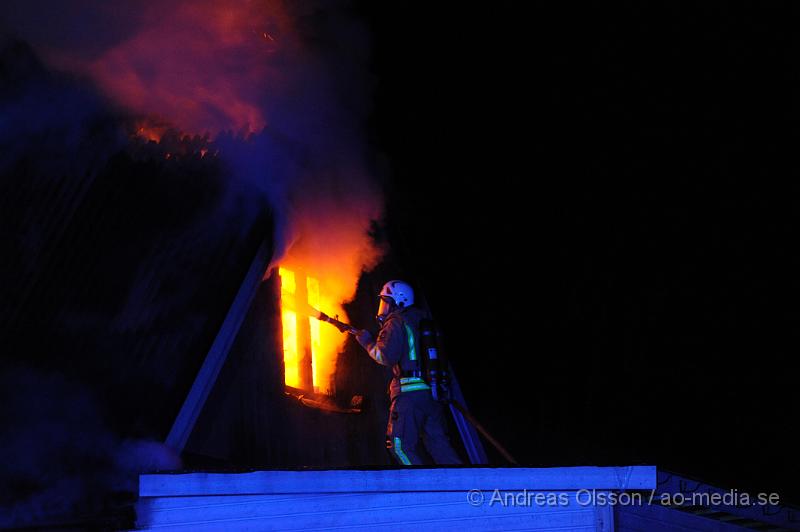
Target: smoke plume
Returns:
[278, 91]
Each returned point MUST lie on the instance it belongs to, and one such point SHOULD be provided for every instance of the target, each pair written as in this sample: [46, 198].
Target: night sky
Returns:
[600, 206]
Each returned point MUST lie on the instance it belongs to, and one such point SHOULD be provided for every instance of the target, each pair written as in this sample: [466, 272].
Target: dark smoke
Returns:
[74, 437]
[60, 456]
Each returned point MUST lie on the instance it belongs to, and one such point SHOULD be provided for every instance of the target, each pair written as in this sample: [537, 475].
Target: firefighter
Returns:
[414, 414]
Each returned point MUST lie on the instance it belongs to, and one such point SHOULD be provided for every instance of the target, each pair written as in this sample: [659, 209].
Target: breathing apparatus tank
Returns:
[434, 364]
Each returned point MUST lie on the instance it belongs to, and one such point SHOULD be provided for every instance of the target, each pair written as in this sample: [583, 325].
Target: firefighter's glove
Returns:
[364, 338]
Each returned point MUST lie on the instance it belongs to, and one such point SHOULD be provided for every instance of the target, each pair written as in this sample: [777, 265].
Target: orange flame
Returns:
[304, 350]
[291, 346]
[150, 131]
[330, 250]
[303, 335]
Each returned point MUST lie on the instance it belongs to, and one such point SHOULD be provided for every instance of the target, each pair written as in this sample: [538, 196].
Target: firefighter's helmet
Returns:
[398, 291]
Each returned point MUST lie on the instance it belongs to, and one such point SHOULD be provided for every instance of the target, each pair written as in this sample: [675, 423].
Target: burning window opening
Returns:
[302, 341]
[310, 348]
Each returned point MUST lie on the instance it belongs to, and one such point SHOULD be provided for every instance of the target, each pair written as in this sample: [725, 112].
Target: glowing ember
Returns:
[150, 130]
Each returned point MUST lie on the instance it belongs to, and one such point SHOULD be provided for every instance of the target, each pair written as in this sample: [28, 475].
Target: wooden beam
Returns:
[304, 362]
[468, 433]
[207, 376]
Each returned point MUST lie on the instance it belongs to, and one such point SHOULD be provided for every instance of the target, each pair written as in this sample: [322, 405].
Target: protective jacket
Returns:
[397, 347]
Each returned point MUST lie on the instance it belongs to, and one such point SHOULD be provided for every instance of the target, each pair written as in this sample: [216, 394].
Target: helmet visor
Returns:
[384, 307]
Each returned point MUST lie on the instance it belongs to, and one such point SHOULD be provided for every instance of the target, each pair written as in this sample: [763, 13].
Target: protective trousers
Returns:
[414, 416]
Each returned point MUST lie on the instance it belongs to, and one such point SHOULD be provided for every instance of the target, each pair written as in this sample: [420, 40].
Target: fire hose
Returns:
[480, 428]
[344, 327]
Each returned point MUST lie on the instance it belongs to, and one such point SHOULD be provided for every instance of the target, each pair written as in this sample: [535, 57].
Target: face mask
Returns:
[384, 309]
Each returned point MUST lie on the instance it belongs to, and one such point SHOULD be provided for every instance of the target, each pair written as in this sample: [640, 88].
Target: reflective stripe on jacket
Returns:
[397, 347]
